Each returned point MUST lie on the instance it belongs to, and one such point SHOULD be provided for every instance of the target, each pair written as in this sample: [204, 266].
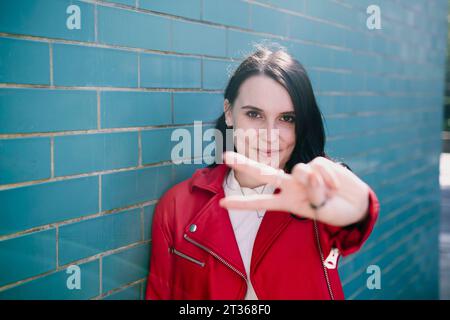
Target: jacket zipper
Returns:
[325, 271]
[181, 254]
[216, 256]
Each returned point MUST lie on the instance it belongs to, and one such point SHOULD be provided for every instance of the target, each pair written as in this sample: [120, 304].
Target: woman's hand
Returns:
[321, 179]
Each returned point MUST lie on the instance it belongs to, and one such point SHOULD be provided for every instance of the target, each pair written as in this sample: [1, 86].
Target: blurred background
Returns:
[445, 191]
[90, 92]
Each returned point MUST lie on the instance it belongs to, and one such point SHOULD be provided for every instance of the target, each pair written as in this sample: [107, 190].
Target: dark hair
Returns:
[287, 71]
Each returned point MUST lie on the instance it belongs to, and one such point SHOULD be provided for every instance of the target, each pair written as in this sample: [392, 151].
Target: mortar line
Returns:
[99, 125]
[52, 157]
[50, 45]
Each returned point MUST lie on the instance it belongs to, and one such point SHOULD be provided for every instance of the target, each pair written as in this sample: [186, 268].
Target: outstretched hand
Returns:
[341, 195]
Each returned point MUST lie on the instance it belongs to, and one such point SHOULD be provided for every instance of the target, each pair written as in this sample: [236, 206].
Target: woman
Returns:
[273, 220]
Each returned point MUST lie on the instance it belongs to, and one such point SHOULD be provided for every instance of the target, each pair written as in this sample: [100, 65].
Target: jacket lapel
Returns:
[213, 225]
[273, 223]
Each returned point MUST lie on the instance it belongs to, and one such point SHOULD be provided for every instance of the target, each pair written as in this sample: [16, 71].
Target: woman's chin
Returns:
[272, 160]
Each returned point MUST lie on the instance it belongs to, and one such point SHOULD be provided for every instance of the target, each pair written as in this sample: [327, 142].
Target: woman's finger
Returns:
[301, 173]
[252, 202]
[316, 189]
[327, 174]
[262, 173]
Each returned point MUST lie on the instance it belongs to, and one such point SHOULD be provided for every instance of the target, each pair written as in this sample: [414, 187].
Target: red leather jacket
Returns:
[194, 253]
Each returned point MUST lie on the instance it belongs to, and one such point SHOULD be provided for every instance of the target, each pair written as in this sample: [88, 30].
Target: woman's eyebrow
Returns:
[258, 109]
[252, 107]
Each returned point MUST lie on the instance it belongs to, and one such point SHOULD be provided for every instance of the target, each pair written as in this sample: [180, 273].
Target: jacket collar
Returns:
[209, 178]
[213, 225]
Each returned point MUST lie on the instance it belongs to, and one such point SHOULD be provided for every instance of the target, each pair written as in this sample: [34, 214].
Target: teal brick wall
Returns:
[86, 117]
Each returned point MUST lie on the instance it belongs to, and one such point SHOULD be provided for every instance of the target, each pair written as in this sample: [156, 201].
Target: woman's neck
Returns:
[245, 181]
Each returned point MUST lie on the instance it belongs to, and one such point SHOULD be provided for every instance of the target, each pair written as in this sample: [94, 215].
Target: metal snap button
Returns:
[192, 227]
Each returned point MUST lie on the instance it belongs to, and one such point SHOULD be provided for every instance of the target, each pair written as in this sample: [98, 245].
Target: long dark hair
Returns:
[287, 71]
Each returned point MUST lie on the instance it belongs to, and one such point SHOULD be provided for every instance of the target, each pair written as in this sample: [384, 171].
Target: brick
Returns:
[43, 110]
[126, 188]
[85, 153]
[186, 8]
[148, 219]
[216, 73]
[291, 5]
[54, 286]
[89, 237]
[125, 267]
[24, 159]
[132, 29]
[31, 206]
[185, 171]
[213, 10]
[157, 145]
[313, 56]
[240, 43]
[130, 293]
[46, 19]
[331, 81]
[189, 107]
[269, 21]
[332, 11]
[168, 71]
[23, 61]
[89, 66]
[186, 38]
[131, 3]
[134, 109]
[301, 28]
[27, 256]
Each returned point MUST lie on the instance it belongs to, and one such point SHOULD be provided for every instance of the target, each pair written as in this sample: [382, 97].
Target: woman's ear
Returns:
[228, 113]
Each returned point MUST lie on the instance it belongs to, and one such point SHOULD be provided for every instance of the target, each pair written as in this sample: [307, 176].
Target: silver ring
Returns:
[315, 207]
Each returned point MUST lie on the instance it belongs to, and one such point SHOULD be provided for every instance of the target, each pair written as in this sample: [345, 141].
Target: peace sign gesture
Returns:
[321, 189]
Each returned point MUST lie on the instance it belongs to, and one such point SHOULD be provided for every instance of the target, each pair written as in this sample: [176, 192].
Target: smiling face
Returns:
[263, 119]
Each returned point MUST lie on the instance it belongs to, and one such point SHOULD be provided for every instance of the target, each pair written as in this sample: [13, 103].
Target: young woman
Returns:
[253, 228]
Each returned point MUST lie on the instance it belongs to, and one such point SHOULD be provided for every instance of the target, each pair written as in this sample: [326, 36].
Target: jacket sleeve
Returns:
[161, 266]
[349, 239]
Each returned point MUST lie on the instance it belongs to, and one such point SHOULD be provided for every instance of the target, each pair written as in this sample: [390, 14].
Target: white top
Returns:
[245, 223]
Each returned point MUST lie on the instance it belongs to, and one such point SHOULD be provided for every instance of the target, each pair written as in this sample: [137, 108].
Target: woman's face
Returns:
[263, 120]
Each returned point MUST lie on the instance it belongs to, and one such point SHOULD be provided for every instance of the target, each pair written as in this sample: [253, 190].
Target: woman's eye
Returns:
[288, 118]
[252, 114]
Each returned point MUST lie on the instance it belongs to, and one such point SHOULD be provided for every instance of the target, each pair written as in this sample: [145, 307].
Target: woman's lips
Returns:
[267, 152]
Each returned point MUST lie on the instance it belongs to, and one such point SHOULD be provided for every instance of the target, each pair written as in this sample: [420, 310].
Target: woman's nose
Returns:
[270, 136]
